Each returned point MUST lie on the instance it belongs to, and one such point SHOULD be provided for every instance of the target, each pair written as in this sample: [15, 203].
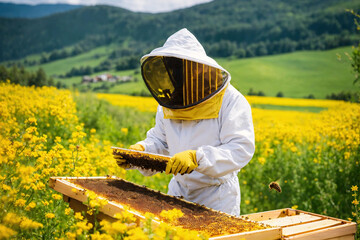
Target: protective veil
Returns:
[186, 82]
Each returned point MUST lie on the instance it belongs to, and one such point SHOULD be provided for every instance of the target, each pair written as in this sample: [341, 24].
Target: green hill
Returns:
[243, 28]
[297, 74]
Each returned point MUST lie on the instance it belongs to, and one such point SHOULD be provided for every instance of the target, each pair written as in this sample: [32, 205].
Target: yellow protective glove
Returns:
[121, 162]
[137, 147]
[182, 162]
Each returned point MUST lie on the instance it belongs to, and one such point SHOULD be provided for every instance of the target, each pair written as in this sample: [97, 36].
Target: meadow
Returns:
[296, 74]
[313, 155]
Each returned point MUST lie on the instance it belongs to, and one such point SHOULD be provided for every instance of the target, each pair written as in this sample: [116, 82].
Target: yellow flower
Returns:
[30, 224]
[30, 206]
[125, 131]
[20, 203]
[114, 228]
[294, 149]
[354, 188]
[247, 202]
[57, 196]
[50, 215]
[6, 187]
[31, 120]
[136, 234]
[145, 104]
[70, 236]
[90, 211]
[6, 233]
[295, 207]
[67, 211]
[91, 195]
[78, 216]
[84, 225]
[262, 160]
[104, 236]
[355, 202]
[125, 216]
[11, 219]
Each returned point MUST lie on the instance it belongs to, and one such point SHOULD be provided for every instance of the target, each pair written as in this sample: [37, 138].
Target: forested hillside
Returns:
[226, 27]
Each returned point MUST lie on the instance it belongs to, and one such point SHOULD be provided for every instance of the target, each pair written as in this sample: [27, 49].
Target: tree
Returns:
[280, 94]
[355, 55]
[41, 79]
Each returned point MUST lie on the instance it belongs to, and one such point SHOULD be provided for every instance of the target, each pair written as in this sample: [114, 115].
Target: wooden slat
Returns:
[291, 220]
[63, 186]
[266, 234]
[78, 206]
[307, 227]
[319, 215]
[343, 230]
[348, 237]
[266, 215]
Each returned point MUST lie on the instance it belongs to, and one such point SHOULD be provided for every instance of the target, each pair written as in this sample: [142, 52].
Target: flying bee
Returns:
[275, 185]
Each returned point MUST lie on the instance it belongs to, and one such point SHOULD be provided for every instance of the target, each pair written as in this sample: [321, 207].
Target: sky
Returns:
[153, 6]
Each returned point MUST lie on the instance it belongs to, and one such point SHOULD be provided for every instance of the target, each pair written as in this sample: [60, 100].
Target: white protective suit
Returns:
[223, 145]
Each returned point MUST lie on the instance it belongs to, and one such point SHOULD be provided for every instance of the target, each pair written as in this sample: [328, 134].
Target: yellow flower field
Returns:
[150, 104]
[145, 104]
[313, 156]
[40, 137]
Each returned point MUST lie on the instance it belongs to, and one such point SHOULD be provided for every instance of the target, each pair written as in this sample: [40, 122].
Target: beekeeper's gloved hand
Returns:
[182, 162]
[121, 162]
[137, 147]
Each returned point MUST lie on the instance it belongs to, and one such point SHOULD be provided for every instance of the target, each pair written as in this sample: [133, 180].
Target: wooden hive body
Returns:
[210, 221]
[284, 223]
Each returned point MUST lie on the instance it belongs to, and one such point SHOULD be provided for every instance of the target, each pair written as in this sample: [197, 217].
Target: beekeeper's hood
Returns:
[180, 76]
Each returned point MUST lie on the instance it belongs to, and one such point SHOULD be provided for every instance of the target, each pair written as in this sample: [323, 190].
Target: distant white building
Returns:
[105, 78]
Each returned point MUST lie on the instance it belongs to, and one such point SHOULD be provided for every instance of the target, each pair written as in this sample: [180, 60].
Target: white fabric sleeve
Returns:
[155, 141]
[237, 141]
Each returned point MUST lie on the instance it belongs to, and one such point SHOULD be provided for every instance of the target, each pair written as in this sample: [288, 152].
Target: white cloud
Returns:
[133, 5]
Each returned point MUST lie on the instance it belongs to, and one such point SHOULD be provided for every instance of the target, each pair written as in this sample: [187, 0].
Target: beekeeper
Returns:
[202, 121]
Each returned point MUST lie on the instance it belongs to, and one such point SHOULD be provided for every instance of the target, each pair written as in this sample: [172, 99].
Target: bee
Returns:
[275, 185]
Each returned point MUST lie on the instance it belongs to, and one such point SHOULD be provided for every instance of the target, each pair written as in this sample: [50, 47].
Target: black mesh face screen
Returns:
[180, 83]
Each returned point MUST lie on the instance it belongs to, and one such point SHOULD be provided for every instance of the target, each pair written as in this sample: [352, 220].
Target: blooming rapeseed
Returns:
[40, 137]
[312, 155]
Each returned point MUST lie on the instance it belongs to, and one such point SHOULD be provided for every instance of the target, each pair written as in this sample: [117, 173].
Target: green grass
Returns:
[62, 66]
[131, 88]
[296, 75]
[289, 108]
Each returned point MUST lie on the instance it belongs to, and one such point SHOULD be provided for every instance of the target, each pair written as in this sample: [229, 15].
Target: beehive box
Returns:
[126, 196]
[281, 224]
[301, 225]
